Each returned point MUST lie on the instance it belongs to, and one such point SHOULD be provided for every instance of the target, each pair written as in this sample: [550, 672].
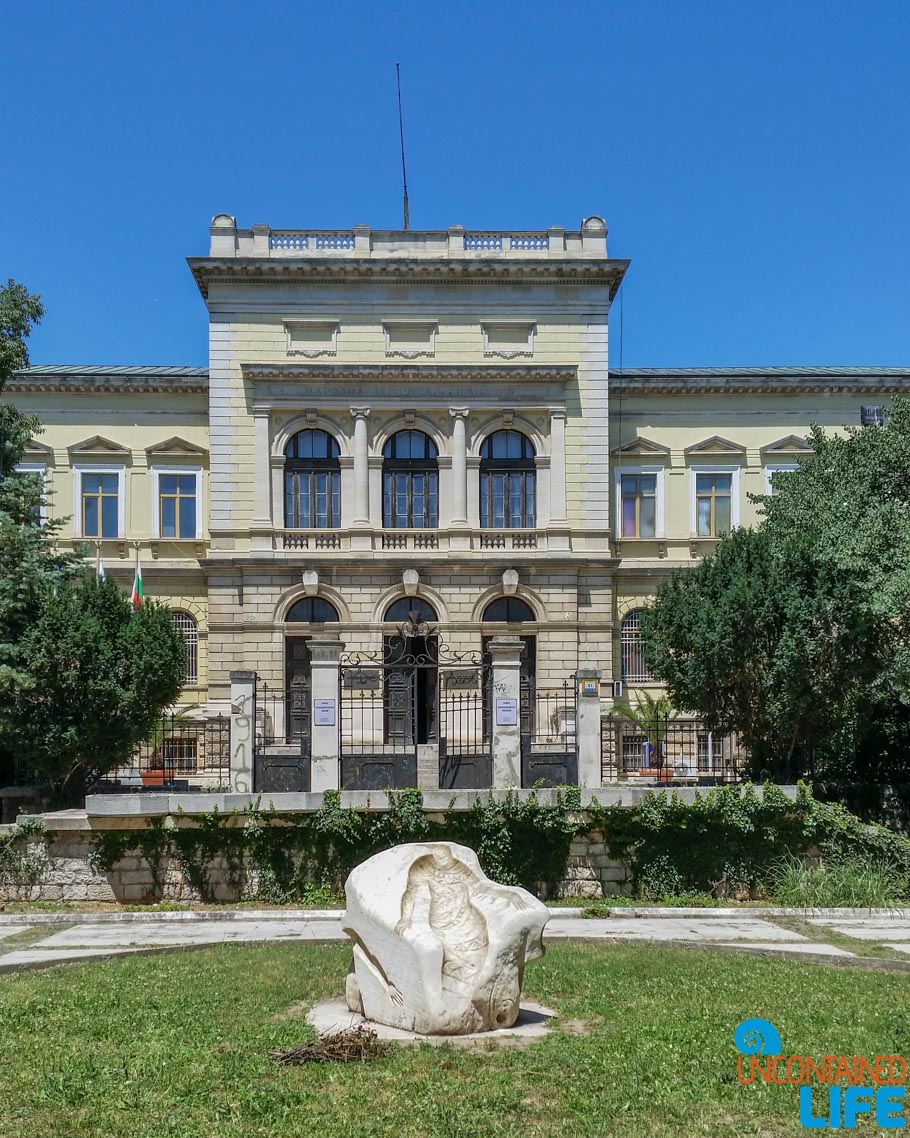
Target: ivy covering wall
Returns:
[724, 842]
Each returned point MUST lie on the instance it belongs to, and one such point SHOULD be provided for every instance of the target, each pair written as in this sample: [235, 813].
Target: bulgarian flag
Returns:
[137, 595]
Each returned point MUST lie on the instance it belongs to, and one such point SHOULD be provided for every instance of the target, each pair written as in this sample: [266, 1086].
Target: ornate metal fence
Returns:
[183, 753]
[548, 739]
[415, 692]
[670, 750]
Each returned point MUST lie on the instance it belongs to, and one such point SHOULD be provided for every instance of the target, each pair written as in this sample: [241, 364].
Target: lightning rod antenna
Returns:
[404, 173]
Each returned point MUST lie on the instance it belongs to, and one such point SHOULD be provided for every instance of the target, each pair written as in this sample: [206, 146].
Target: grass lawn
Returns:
[177, 1047]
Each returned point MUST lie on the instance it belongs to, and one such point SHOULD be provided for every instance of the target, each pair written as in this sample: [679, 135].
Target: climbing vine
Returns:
[22, 862]
[723, 842]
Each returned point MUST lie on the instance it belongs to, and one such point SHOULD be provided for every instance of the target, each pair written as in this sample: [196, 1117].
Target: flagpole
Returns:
[404, 173]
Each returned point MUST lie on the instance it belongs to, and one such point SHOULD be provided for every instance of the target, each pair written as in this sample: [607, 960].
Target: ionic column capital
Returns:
[361, 412]
[459, 412]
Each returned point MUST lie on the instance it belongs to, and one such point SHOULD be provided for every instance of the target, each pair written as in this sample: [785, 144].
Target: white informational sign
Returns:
[323, 713]
[506, 712]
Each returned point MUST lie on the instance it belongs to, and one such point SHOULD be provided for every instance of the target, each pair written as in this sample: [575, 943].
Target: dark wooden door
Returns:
[298, 678]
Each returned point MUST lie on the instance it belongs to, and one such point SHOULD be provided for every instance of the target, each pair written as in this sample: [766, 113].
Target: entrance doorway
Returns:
[298, 681]
[410, 689]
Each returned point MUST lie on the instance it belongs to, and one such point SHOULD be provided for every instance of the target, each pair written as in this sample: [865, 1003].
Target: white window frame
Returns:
[156, 472]
[37, 468]
[618, 472]
[99, 468]
[713, 468]
[775, 468]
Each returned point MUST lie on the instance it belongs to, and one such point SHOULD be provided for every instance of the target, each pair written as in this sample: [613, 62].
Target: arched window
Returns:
[632, 644]
[311, 610]
[312, 481]
[507, 481]
[410, 482]
[187, 625]
[509, 609]
[407, 608]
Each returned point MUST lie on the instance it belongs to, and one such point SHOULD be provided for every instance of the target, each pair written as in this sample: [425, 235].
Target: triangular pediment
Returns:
[792, 444]
[34, 449]
[177, 447]
[714, 446]
[97, 444]
[643, 447]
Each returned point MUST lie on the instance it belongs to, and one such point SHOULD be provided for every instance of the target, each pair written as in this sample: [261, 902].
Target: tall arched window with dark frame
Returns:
[312, 481]
[410, 482]
[508, 481]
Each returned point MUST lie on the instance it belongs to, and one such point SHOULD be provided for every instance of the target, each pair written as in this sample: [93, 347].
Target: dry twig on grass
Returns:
[357, 1045]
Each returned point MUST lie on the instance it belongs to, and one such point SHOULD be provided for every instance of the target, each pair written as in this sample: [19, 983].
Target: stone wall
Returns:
[62, 872]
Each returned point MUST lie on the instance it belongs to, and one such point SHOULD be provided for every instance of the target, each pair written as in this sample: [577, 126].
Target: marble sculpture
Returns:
[439, 949]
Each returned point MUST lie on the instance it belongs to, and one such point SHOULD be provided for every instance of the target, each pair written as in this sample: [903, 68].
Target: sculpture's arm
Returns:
[393, 993]
[407, 909]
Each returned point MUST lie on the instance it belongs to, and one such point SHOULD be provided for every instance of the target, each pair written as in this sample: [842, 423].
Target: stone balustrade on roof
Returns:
[261, 242]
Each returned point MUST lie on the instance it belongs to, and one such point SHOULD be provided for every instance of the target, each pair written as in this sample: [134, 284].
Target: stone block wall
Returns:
[63, 872]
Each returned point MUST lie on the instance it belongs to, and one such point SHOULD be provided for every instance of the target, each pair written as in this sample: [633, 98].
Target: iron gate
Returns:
[282, 741]
[414, 702]
[549, 746]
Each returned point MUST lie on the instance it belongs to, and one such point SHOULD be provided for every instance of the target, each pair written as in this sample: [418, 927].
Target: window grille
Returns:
[632, 645]
[186, 624]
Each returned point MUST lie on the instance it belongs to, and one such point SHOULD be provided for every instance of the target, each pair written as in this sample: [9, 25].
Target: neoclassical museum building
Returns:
[408, 444]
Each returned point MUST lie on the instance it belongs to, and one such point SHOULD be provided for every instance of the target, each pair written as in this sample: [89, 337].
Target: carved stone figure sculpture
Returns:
[439, 949]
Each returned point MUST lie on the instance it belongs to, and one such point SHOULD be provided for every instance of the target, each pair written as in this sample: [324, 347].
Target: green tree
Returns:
[30, 565]
[82, 679]
[849, 503]
[100, 676]
[763, 640]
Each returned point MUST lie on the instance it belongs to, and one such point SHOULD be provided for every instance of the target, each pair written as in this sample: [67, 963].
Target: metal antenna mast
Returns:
[404, 173]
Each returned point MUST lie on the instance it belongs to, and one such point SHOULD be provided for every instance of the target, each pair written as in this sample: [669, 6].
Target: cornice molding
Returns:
[761, 385]
[92, 384]
[405, 373]
[314, 271]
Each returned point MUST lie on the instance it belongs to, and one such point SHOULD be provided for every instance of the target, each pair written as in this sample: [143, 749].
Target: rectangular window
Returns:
[770, 471]
[507, 500]
[39, 513]
[705, 758]
[713, 504]
[639, 505]
[179, 755]
[634, 753]
[177, 506]
[100, 511]
[410, 499]
[312, 499]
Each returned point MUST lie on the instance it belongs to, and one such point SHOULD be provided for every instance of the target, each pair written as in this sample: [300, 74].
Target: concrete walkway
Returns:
[879, 937]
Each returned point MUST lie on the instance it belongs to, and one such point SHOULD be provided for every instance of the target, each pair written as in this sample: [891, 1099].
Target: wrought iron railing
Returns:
[184, 752]
[671, 750]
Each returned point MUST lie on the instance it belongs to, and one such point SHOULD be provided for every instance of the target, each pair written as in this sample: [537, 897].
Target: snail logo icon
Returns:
[757, 1037]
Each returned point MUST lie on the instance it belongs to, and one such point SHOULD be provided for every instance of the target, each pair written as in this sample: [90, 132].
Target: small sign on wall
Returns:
[506, 712]
[589, 687]
[323, 713]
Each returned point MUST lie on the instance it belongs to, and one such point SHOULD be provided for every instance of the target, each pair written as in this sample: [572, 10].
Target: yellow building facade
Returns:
[415, 429]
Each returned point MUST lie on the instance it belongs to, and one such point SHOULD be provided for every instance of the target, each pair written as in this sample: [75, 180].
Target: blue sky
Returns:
[750, 158]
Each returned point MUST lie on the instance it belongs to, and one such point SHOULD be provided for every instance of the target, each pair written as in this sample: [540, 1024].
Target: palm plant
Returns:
[652, 717]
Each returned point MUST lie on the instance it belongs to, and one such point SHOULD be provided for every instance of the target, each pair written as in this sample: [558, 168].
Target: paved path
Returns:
[43, 939]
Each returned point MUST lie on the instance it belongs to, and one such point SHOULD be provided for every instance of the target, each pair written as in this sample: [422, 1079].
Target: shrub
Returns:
[857, 882]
